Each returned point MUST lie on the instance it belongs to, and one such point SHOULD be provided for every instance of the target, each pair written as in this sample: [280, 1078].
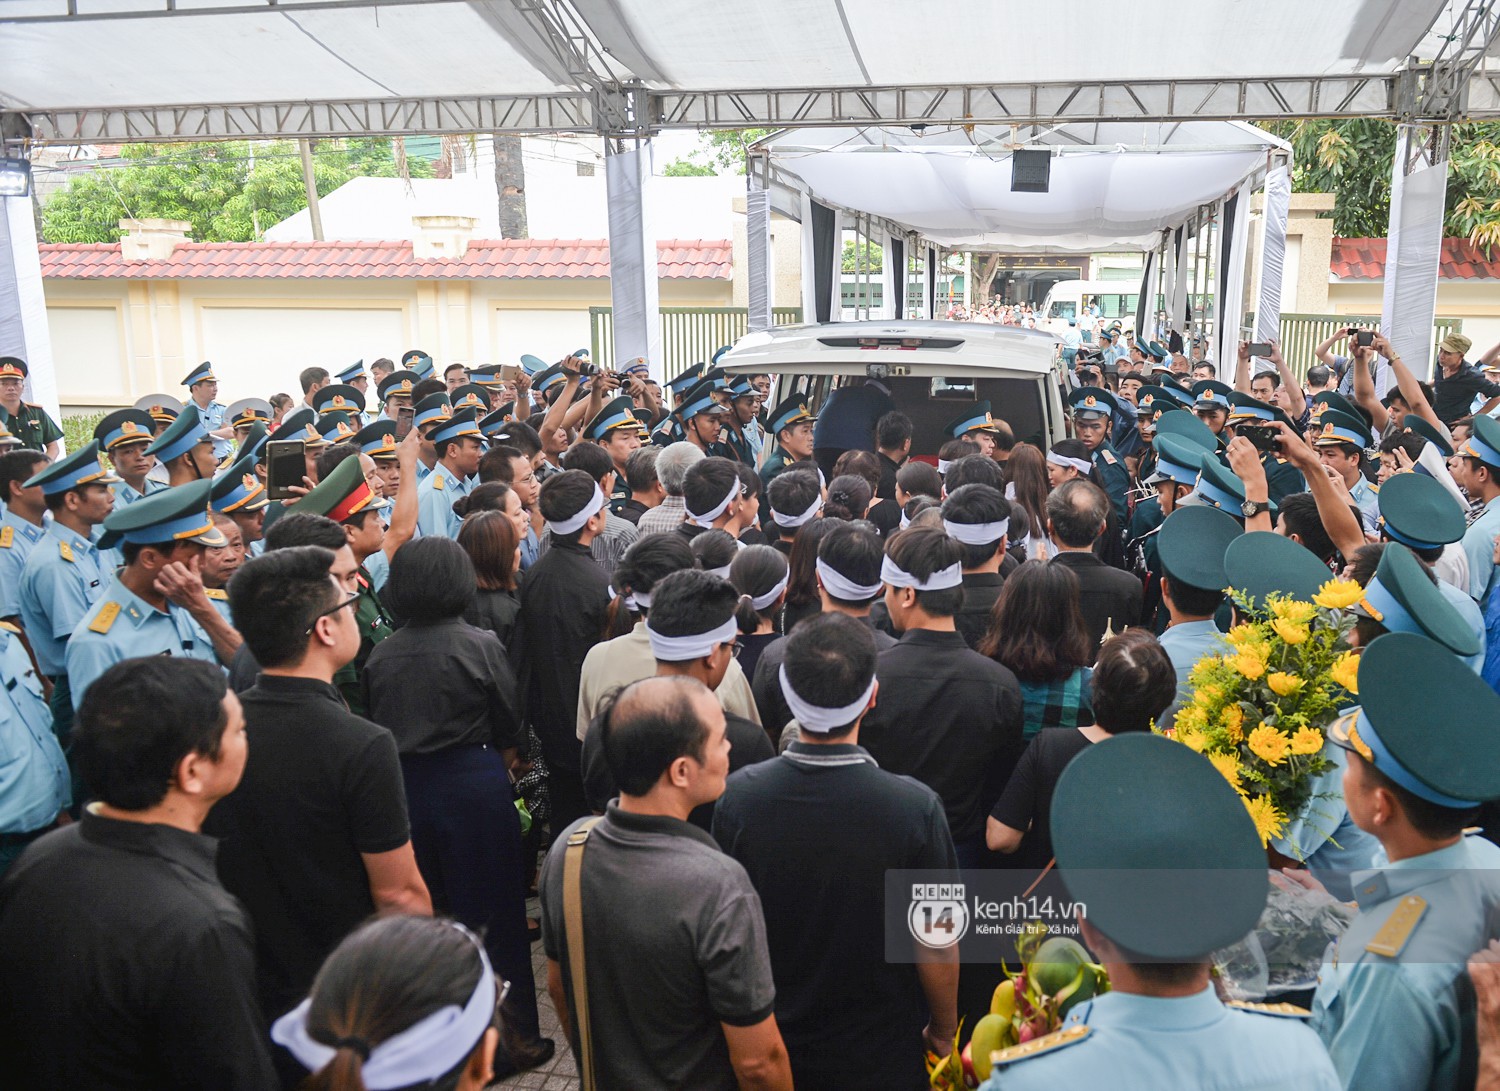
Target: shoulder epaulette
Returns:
[437, 481]
[217, 593]
[7, 537]
[1108, 456]
[1285, 1011]
[9, 627]
[1398, 927]
[107, 614]
[67, 552]
[1047, 1043]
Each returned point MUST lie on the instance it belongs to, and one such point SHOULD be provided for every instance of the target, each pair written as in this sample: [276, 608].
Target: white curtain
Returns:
[758, 256]
[632, 260]
[23, 310]
[1412, 255]
[1273, 255]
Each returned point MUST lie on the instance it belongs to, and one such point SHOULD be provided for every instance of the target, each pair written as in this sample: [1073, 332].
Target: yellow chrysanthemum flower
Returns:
[1243, 634]
[1345, 672]
[1269, 745]
[1249, 664]
[1207, 695]
[1282, 683]
[1338, 594]
[1192, 738]
[1191, 718]
[1269, 821]
[1204, 668]
[1233, 719]
[1307, 740]
[1294, 610]
[1289, 631]
[1229, 767]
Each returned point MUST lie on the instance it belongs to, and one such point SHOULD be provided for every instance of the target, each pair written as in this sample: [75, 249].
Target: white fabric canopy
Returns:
[1113, 186]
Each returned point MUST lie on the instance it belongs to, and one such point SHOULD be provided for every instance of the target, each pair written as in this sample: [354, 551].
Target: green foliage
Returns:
[1352, 159]
[78, 430]
[720, 151]
[874, 257]
[222, 189]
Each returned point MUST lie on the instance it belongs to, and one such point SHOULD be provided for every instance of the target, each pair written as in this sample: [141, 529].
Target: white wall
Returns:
[261, 348]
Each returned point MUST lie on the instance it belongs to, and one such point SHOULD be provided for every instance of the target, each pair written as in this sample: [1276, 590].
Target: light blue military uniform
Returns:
[17, 539]
[1472, 615]
[34, 782]
[1185, 644]
[1325, 838]
[435, 496]
[1160, 1043]
[65, 574]
[212, 417]
[1392, 1018]
[121, 625]
[1479, 546]
[1366, 498]
[125, 494]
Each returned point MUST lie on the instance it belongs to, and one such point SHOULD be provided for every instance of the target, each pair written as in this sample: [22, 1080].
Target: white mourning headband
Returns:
[941, 580]
[1063, 460]
[841, 586]
[820, 720]
[708, 517]
[574, 523]
[784, 520]
[977, 534]
[760, 602]
[681, 649]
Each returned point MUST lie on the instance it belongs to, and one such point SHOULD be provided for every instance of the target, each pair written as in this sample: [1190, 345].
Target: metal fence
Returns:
[1302, 333]
[688, 334]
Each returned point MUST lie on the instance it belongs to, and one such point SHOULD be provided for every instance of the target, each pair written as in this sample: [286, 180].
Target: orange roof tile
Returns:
[679, 259]
[1364, 259]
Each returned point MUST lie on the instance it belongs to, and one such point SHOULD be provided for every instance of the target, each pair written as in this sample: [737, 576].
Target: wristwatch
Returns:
[1251, 508]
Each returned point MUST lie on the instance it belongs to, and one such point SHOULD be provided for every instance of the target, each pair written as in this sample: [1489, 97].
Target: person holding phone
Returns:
[459, 446]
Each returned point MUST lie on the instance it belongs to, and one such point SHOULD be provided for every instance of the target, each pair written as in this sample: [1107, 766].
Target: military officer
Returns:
[346, 497]
[742, 431]
[28, 423]
[616, 429]
[378, 440]
[395, 390]
[1403, 597]
[1421, 759]
[354, 375]
[23, 524]
[431, 411]
[418, 363]
[1340, 440]
[239, 493]
[243, 414]
[1211, 404]
[791, 425]
[1420, 513]
[37, 785]
[1221, 487]
[977, 426]
[163, 409]
[685, 380]
[124, 436]
[1093, 410]
[203, 389]
[154, 604]
[702, 413]
[335, 428]
[459, 445]
[1161, 1025]
[1247, 411]
[186, 449]
[66, 573]
[470, 396]
[340, 398]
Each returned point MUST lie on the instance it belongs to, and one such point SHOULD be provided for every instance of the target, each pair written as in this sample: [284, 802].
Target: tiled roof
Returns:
[678, 259]
[1364, 259]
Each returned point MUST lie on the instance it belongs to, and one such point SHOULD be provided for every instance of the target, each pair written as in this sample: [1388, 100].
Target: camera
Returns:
[1365, 338]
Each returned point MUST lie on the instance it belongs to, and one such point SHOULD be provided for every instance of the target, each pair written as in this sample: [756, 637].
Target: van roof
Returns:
[918, 348]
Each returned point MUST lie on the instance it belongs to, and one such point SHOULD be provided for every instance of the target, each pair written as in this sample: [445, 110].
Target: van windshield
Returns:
[1063, 308]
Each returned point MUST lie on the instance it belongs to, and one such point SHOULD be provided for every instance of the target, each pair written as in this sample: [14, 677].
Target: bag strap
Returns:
[573, 923]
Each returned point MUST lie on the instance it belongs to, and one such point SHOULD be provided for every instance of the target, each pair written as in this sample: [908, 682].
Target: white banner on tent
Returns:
[892, 288]
[1229, 307]
[1413, 253]
[1177, 309]
[1273, 255]
[632, 260]
[759, 258]
[23, 310]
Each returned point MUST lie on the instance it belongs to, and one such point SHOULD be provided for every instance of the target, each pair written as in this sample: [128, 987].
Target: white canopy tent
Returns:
[94, 71]
[1112, 186]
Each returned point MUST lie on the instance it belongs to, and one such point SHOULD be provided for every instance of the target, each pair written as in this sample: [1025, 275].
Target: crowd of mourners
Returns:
[695, 665]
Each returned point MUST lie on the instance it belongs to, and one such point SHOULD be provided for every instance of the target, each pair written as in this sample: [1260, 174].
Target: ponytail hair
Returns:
[648, 561]
[756, 574]
[849, 498]
[487, 497]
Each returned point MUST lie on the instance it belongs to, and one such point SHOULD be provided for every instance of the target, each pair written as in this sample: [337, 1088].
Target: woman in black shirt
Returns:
[447, 693]
[759, 575]
[1133, 683]
[494, 546]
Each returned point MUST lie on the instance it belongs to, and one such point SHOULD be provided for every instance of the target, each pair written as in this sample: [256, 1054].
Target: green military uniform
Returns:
[32, 426]
[345, 497]
[1095, 403]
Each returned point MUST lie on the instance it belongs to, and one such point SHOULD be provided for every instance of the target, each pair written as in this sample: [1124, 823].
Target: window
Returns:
[1063, 308]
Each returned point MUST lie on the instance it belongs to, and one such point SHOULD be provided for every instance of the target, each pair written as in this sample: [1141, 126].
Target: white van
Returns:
[932, 369]
[1117, 300]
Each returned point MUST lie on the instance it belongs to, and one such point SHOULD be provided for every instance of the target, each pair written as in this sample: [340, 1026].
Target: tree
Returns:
[510, 184]
[1352, 159]
[874, 257]
[720, 151]
[221, 189]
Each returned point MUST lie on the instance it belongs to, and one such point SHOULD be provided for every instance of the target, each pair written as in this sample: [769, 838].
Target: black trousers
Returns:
[467, 838]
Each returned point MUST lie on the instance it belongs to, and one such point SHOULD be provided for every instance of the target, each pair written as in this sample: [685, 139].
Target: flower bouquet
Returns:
[1259, 709]
[1056, 973]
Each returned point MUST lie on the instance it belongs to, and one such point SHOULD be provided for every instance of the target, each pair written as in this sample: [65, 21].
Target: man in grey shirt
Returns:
[678, 973]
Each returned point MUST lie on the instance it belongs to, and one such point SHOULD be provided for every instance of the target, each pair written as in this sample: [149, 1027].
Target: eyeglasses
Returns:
[734, 646]
[350, 601]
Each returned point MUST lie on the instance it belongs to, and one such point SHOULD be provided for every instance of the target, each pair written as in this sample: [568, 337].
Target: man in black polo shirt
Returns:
[678, 979]
[316, 837]
[817, 829]
[893, 446]
[1458, 381]
[123, 962]
[848, 575]
[951, 718]
[977, 517]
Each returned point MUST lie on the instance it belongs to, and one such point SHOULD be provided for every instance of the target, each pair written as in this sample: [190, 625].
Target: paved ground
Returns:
[558, 1074]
